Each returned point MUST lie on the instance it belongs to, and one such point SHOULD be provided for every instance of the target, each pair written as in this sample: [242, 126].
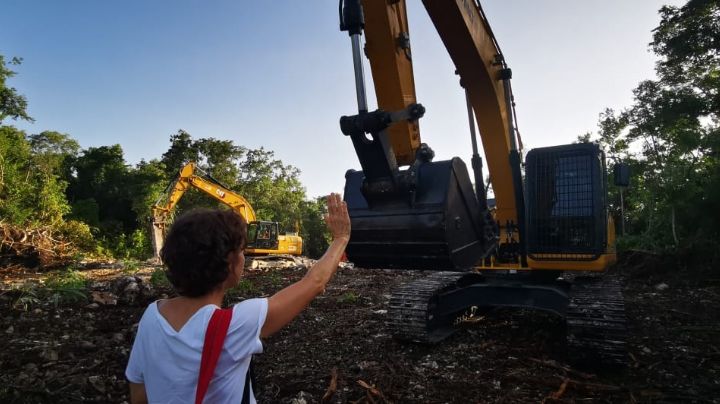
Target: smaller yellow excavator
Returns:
[264, 238]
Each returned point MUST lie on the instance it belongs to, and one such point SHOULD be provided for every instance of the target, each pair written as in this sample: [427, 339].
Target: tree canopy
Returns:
[12, 104]
[670, 135]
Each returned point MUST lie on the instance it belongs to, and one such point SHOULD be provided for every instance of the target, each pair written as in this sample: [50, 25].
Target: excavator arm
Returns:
[188, 178]
[480, 64]
[387, 46]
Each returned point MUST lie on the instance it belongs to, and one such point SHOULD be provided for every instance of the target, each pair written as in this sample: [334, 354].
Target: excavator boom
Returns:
[387, 45]
[187, 178]
[481, 66]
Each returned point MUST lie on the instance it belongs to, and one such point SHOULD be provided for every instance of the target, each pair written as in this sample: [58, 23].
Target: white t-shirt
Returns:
[168, 361]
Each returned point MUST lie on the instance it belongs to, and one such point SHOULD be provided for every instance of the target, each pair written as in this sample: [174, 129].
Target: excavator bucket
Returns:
[439, 226]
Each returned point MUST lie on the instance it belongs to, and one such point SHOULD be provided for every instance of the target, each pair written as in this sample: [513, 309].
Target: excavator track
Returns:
[596, 330]
[595, 314]
[410, 314]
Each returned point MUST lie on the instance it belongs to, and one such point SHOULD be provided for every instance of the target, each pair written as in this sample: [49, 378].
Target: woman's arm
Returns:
[137, 393]
[286, 304]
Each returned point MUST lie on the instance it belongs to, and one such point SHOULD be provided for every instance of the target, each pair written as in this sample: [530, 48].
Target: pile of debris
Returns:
[33, 247]
[266, 263]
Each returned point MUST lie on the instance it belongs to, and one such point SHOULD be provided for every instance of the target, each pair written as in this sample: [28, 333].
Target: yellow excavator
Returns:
[264, 238]
[548, 222]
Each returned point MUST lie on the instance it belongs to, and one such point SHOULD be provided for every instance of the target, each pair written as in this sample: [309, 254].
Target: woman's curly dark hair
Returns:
[197, 247]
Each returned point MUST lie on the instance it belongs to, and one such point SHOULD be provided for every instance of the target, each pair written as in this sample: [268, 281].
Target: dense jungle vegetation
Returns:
[670, 137]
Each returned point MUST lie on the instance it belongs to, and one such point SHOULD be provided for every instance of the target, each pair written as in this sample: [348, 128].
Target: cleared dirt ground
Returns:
[77, 352]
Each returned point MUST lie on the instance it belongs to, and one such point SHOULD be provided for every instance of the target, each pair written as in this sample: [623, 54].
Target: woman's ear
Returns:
[232, 262]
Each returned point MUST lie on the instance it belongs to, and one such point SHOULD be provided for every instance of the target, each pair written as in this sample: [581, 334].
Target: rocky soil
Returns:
[75, 350]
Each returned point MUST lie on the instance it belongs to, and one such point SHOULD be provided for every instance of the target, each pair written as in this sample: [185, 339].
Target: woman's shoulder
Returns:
[150, 311]
[250, 311]
[250, 306]
[149, 316]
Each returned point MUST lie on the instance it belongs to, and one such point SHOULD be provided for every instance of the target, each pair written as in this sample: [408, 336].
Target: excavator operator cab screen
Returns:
[262, 235]
[566, 201]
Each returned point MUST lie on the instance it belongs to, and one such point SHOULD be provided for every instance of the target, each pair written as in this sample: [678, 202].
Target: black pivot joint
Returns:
[352, 18]
[365, 122]
[506, 74]
[424, 154]
[378, 120]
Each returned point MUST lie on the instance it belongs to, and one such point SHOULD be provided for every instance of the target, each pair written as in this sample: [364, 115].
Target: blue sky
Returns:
[278, 74]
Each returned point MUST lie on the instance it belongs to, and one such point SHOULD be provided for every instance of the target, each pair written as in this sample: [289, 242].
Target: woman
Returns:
[203, 254]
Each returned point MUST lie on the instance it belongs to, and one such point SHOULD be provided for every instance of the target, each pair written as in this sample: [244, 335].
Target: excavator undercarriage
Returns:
[428, 309]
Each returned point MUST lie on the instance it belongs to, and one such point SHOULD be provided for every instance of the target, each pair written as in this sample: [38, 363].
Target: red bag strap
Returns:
[214, 339]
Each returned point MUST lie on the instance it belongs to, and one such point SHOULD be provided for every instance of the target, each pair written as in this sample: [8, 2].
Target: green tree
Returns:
[54, 154]
[30, 193]
[611, 137]
[12, 104]
[181, 151]
[674, 125]
[675, 119]
[101, 177]
[218, 159]
[17, 190]
[688, 42]
[272, 187]
[147, 184]
[313, 230]
[55, 151]
[30, 190]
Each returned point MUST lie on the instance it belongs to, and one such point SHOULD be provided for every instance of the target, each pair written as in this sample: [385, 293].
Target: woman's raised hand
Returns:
[284, 305]
[337, 218]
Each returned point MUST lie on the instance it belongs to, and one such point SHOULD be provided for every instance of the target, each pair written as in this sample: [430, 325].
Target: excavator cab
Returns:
[567, 218]
[262, 235]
